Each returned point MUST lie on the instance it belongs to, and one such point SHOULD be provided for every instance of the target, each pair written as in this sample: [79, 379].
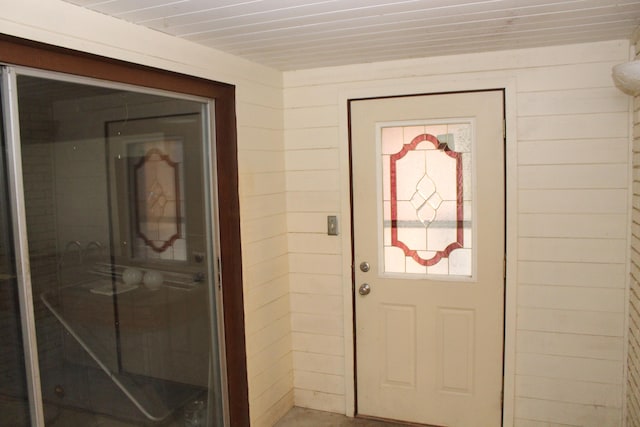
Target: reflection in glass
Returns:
[154, 174]
[115, 200]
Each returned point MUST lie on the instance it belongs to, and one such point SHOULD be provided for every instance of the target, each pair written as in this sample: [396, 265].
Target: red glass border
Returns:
[137, 167]
[459, 201]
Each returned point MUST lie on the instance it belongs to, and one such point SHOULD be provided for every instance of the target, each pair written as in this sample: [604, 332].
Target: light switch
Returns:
[332, 225]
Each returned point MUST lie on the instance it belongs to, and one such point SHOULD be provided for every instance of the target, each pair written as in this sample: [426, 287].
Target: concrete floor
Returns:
[301, 417]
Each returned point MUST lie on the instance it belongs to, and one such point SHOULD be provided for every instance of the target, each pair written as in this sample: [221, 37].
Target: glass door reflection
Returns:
[116, 208]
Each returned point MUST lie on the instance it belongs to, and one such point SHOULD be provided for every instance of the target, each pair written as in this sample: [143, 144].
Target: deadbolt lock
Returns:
[364, 289]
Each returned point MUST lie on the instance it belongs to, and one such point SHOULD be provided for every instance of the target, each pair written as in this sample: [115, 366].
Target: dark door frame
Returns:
[17, 51]
[503, 90]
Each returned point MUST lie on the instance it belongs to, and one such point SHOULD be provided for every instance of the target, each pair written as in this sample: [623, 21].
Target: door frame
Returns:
[425, 86]
[224, 167]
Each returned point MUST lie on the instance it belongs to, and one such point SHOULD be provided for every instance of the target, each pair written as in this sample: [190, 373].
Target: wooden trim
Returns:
[28, 53]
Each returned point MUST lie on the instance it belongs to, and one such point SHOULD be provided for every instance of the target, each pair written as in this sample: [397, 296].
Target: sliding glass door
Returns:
[14, 402]
[117, 194]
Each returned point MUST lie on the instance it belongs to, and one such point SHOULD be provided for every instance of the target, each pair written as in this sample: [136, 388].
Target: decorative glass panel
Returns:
[158, 206]
[426, 197]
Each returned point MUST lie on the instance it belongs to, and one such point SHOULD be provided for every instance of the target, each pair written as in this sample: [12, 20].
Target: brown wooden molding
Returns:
[17, 51]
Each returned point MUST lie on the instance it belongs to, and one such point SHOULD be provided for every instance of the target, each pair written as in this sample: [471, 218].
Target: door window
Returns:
[427, 198]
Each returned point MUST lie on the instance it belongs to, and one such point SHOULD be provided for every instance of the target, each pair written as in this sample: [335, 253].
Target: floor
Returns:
[14, 413]
[301, 417]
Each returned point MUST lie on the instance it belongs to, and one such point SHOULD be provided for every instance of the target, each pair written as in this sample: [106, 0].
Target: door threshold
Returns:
[395, 422]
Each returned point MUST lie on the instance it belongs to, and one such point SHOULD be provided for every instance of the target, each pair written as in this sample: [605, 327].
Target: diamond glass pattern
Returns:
[427, 199]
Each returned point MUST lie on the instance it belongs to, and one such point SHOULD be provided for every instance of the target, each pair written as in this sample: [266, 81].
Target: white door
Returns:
[428, 221]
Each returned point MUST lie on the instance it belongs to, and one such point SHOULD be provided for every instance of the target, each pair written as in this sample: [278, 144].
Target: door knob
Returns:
[364, 267]
[364, 289]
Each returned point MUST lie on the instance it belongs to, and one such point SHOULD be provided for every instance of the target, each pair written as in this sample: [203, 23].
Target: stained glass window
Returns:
[159, 221]
[427, 199]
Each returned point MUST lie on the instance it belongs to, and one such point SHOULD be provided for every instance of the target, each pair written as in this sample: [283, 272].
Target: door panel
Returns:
[428, 202]
[121, 265]
[14, 402]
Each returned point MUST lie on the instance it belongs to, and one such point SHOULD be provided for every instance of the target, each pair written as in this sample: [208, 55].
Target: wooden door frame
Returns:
[434, 85]
[22, 52]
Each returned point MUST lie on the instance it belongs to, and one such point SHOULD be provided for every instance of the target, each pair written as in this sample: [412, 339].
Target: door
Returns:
[14, 402]
[428, 230]
[121, 264]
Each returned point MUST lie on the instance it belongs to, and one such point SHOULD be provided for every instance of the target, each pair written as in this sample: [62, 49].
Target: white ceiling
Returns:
[298, 34]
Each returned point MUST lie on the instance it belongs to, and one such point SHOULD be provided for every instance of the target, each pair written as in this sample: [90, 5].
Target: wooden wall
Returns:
[568, 160]
[568, 214]
[261, 169]
[633, 356]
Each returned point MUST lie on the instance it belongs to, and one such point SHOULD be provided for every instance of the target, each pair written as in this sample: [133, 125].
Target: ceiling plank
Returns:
[296, 34]
[446, 27]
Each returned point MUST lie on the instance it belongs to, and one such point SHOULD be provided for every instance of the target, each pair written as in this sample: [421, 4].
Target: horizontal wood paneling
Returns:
[571, 298]
[254, 207]
[586, 393]
[602, 251]
[335, 78]
[276, 411]
[318, 363]
[314, 381]
[567, 414]
[603, 201]
[317, 324]
[571, 101]
[633, 359]
[573, 225]
[261, 161]
[260, 139]
[571, 368]
[262, 360]
[311, 117]
[319, 400]
[580, 151]
[264, 404]
[317, 304]
[315, 263]
[576, 345]
[571, 321]
[263, 338]
[268, 313]
[576, 74]
[263, 381]
[317, 201]
[311, 283]
[308, 222]
[310, 343]
[314, 243]
[313, 180]
[320, 159]
[261, 228]
[265, 250]
[260, 184]
[323, 137]
[603, 125]
[572, 176]
[264, 272]
[259, 115]
[268, 294]
[572, 274]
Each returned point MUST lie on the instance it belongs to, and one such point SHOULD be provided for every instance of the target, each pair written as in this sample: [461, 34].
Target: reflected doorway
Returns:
[143, 321]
